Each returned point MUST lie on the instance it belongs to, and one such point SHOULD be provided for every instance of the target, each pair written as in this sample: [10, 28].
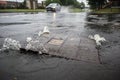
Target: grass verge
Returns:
[21, 10]
[76, 10]
[108, 10]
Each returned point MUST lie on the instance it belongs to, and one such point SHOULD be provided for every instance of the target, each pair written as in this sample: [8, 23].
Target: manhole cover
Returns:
[56, 42]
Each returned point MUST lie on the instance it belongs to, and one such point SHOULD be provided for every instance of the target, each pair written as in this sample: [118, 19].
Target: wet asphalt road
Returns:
[19, 66]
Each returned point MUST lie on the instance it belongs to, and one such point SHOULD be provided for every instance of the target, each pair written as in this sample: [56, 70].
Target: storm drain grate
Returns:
[55, 41]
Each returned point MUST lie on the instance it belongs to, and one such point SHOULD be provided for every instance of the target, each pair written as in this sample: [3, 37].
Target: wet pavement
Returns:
[73, 28]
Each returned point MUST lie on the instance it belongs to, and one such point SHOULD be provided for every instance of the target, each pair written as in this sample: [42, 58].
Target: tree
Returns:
[22, 5]
[68, 2]
[82, 5]
[62, 2]
[92, 4]
[79, 5]
[52, 1]
[96, 4]
[74, 3]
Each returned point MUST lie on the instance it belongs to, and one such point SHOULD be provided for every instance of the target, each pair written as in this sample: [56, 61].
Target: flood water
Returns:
[19, 26]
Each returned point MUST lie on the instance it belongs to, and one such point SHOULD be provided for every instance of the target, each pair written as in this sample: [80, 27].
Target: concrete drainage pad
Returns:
[55, 41]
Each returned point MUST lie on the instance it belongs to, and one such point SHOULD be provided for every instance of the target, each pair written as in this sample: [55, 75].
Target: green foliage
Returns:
[76, 10]
[80, 5]
[96, 4]
[22, 5]
[52, 1]
[92, 4]
[108, 10]
[68, 2]
[74, 3]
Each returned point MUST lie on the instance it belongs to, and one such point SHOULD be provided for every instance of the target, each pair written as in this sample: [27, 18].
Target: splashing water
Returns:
[33, 44]
[97, 39]
[11, 44]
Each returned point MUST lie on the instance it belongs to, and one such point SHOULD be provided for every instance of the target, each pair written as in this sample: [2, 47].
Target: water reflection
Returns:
[54, 16]
[31, 12]
[103, 22]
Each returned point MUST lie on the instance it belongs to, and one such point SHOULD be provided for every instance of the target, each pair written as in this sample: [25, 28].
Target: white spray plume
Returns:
[29, 39]
[97, 39]
[11, 44]
[46, 30]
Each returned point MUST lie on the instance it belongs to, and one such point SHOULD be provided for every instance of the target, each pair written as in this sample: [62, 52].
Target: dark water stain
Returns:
[31, 12]
[102, 28]
[109, 17]
[65, 26]
[1, 37]
[16, 23]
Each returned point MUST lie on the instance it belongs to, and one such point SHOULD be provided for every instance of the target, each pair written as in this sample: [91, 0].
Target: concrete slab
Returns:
[87, 50]
[69, 45]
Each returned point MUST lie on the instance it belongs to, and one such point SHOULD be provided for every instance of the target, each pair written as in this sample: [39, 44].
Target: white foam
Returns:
[29, 39]
[11, 44]
[46, 30]
[97, 39]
